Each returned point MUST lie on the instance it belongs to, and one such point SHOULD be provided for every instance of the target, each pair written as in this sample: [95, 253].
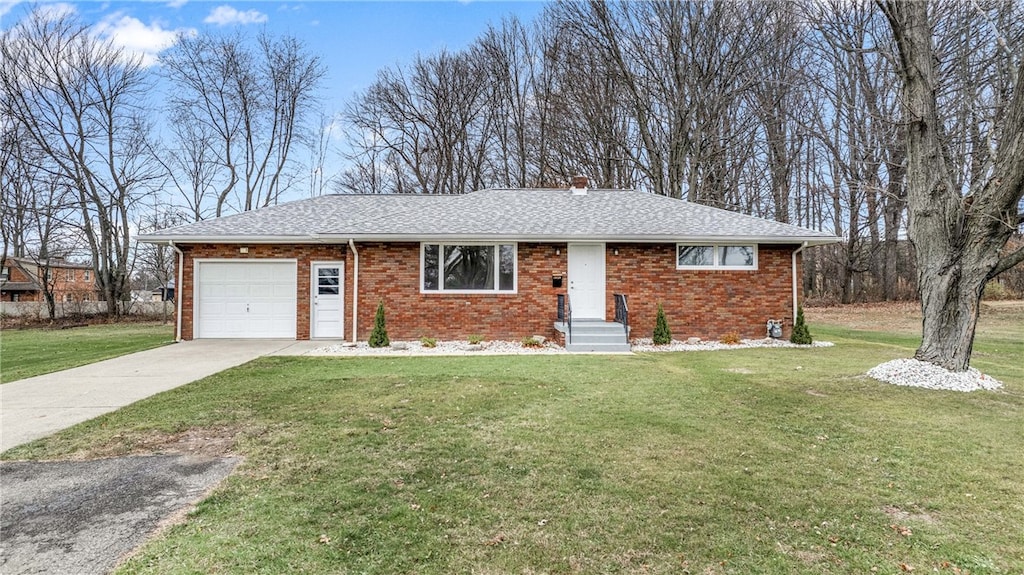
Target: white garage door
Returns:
[245, 299]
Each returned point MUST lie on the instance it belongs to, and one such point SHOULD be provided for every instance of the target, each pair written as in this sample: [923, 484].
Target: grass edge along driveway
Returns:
[752, 461]
[30, 352]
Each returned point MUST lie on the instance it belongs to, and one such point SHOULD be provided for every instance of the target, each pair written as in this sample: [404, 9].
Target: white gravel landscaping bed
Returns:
[646, 344]
[415, 348]
[917, 373]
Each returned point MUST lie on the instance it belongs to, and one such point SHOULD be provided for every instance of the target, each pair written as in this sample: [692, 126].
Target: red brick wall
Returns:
[705, 304]
[16, 274]
[303, 253]
[80, 288]
[391, 271]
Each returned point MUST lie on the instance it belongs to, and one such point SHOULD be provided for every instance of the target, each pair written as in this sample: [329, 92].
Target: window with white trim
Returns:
[468, 267]
[716, 256]
[69, 275]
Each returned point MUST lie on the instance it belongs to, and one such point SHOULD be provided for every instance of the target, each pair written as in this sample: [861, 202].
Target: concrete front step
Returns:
[595, 336]
[598, 347]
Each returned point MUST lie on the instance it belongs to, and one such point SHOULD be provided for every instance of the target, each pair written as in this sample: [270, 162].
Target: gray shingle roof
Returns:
[538, 215]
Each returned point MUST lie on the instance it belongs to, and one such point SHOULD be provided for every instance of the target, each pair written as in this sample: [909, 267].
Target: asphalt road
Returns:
[81, 517]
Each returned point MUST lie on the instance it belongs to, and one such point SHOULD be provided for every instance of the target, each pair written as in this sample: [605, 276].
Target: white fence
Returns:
[156, 309]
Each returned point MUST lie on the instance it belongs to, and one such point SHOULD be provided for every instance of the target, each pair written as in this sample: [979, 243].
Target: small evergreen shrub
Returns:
[475, 339]
[801, 335]
[731, 338]
[379, 335]
[662, 334]
[428, 341]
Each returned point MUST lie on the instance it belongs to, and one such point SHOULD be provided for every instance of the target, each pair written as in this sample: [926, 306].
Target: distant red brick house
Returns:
[23, 279]
[502, 264]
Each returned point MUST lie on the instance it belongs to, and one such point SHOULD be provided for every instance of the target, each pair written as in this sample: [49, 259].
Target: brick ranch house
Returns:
[23, 279]
[500, 263]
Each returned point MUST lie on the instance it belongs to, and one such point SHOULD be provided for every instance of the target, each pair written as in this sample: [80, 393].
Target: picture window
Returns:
[716, 256]
[469, 268]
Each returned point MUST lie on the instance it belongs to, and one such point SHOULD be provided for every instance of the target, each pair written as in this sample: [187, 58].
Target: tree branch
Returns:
[1007, 262]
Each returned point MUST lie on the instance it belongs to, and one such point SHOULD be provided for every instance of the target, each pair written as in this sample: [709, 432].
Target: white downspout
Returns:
[178, 287]
[355, 292]
[795, 300]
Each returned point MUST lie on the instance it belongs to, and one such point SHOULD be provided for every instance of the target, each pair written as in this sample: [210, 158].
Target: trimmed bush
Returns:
[428, 341]
[379, 335]
[475, 339]
[531, 342]
[801, 335]
[662, 334]
[731, 338]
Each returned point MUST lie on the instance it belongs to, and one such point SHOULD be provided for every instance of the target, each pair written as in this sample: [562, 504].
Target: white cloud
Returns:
[137, 38]
[226, 15]
[56, 10]
[176, 3]
[7, 5]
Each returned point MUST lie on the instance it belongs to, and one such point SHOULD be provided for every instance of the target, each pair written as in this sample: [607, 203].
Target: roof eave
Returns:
[544, 238]
[225, 239]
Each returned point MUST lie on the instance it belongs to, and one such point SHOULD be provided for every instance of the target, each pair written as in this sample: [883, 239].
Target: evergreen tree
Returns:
[379, 335]
[801, 335]
[662, 335]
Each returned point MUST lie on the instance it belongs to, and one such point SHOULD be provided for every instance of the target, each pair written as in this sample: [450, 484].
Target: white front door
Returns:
[586, 281]
[328, 307]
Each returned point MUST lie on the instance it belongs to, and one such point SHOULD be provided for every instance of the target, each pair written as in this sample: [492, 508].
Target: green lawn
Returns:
[28, 352]
[754, 461]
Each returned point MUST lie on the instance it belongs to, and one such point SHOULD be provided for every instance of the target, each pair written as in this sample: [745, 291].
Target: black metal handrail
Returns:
[565, 314]
[622, 311]
[568, 317]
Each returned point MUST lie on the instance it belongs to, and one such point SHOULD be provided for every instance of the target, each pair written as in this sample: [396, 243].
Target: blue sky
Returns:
[354, 39]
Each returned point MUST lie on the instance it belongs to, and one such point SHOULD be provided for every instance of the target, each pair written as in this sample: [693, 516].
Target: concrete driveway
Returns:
[39, 406]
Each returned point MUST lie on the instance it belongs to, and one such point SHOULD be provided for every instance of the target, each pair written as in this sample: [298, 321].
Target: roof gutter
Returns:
[355, 291]
[796, 302]
[178, 286]
[537, 238]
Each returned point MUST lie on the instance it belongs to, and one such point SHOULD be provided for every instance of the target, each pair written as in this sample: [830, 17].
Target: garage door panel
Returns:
[267, 274]
[250, 299]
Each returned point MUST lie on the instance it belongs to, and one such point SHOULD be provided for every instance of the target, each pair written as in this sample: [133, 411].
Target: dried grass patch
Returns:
[218, 441]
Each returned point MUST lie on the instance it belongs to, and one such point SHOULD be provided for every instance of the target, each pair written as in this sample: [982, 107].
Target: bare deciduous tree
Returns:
[245, 108]
[81, 102]
[428, 125]
[958, 223]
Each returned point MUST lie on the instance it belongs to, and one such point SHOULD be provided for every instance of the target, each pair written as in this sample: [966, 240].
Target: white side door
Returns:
[587, 281]
[328, 300]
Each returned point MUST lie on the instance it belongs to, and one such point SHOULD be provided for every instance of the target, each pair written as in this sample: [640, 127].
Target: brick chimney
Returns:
[579, 185]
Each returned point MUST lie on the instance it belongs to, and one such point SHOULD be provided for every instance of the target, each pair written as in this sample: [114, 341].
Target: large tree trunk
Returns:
[950, 299]
[957, 237]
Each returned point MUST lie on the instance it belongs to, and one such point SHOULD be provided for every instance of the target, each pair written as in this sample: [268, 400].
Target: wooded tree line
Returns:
[780, 109]
[86, 162]
[786, 110]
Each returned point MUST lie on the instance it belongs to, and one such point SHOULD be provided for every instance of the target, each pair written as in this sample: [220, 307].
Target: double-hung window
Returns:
[716, 256]
[468, 267]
